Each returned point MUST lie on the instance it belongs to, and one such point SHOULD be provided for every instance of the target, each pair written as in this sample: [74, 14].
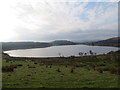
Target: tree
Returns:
[80, 53]
[91, 53]
[85, 54]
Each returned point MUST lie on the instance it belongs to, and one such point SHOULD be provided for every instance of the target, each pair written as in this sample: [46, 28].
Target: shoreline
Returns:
[6, 56]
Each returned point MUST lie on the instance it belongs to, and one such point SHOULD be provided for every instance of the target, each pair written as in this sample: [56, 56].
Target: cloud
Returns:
[44, 20]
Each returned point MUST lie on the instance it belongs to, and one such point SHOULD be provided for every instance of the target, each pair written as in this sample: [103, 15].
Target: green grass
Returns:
[46, 77]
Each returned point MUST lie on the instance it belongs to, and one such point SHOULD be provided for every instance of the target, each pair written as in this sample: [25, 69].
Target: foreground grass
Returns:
[77, 72]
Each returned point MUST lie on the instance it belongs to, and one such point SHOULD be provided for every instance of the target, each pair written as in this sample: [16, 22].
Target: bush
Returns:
[112, 70]
[72, 57]
[19, 65]
[9, 68]
[102, 68]
[58, 70]
[80, 65]
[35, 63]
[50, 66]
[72, 70]
[115, 71]
[31, 67]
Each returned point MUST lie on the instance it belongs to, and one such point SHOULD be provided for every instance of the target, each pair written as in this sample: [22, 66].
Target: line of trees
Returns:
[81, 53]
[87, 53]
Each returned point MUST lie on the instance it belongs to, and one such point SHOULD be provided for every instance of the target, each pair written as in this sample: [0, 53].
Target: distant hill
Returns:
[110, 40]
[62, 42]
[23, 45]
[115, 41]
[28, 45]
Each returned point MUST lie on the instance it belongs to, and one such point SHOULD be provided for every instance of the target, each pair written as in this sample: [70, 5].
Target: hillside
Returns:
[62, 42]
[23, 45]
[28, 45]
[115, 42]
[110, 40]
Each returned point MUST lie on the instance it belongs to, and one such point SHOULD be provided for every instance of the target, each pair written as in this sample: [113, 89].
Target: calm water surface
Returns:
[55, 51]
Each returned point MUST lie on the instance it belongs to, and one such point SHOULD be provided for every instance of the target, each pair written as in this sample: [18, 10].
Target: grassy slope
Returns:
[44, 76]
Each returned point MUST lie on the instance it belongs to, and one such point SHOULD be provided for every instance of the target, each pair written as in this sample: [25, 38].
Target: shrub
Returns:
[115, 71]
[112, 70]
[72, 70]
[19, 65]
[35, 63]
[72, 57]
[9, 75]
[9, 68]
[58, 70]
[31, 67]
[50, 66]
[100, 71]
[28, 75]
[46, 66]
[80, 65]
[103, 68]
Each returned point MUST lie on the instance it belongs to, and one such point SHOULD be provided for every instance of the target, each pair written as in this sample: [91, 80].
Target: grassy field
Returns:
[99, 71]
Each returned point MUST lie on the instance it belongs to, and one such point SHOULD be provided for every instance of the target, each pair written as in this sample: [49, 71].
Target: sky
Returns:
[48, 20]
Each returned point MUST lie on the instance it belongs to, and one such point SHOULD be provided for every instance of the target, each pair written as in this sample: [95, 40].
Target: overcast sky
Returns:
[44, 20]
